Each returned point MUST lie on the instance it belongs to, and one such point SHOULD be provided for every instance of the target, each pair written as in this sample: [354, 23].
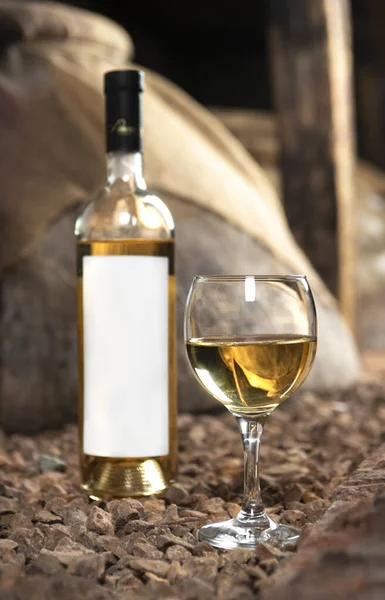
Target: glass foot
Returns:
[234, 534]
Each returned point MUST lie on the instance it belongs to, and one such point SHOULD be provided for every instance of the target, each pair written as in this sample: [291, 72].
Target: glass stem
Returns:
[252, 507]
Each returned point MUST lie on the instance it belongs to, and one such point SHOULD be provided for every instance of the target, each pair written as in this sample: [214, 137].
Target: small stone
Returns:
[202, 548]
[176, 494]
[241, 592]
[294, 506]
[157, 590]
[5, 525]
[276, 509]
[200, 489]
[269, 565]
[181, 530]
[155, 509]
[166, 540]
[203, 568]
[11, 569]
[151, 577]
[153, 535]
[171, 514]
[237, 556]
[127, 582]
[256, 572]
[44, 564]
[10, 557]
[266, 551]
[283, 471]
[8, 505]
[80, 501]
[30, 541]
[175, 573]
[119, 566]
[192, 471]
[67, 550]
[10, 492]
[379, 501]
[99, 521]
[111, 581]
[210, 505]
[306, 531]
[198, 434]
[137, 526]
[80, 534]
[54, 504]
[118, 508]
[4, 491]
[315, 510]
[189, 538]
[46, 517]
[179, 553]
[309, 497]
[130, 541]
[110, 559]
[143, 549]
[75, 516]
[125, 510]
[7, 544]
[193, 588]
[154, 504]
[108, 543]
[53, 483]
[142, 565]
[293, 493]
[230, 590]
[68, 544]
[18, 521]
[294, 517]
[233, 509]
[51, 463]
[122, 521]
[194, 515]
[89, 566]
[53, 534]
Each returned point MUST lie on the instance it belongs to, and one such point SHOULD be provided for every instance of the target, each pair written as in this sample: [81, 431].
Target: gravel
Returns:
[317, 452]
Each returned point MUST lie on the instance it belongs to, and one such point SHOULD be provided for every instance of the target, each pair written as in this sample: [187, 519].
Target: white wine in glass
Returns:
[251, 342]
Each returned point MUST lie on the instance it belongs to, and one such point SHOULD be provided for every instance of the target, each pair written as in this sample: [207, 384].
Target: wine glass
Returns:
[251, 342]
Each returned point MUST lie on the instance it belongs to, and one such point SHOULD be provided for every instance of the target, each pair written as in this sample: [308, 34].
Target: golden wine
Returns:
[119, 476]
[251, 375]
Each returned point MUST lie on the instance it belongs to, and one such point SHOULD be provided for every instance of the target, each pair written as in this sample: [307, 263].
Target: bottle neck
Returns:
[126, 167]
[124, 121]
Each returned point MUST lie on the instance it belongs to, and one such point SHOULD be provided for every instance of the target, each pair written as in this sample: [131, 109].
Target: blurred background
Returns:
[227, 53]
[227, 60]
[264, 132]
[217, 55]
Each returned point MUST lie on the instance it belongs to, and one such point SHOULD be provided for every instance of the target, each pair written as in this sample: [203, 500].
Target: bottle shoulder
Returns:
[120, 212]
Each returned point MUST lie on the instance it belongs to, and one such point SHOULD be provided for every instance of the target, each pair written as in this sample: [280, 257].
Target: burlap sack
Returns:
[228, 215]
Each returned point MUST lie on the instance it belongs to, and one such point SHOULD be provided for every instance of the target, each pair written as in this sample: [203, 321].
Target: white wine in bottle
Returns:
[126, 317]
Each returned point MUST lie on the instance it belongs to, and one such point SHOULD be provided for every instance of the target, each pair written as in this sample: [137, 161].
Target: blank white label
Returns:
[125, 321]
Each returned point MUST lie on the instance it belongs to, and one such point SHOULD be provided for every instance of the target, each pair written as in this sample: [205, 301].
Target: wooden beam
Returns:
[310, 53]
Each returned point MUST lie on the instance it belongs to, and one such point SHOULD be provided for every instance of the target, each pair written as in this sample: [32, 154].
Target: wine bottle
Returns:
[126, 316]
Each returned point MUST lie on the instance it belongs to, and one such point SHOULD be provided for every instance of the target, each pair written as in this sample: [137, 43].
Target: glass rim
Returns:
[224, 278]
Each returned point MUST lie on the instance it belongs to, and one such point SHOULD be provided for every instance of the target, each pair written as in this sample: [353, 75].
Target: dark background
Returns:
[218, 52]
